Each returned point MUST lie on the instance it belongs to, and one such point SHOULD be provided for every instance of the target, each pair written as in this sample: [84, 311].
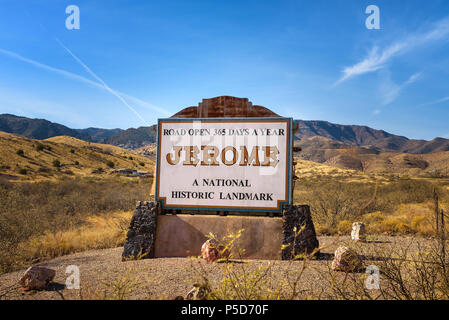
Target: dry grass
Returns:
[401, 206]
[96, 232]
[47, 219]
[76, 157]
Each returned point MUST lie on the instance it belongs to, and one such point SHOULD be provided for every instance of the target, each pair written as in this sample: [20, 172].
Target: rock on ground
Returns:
[358, 231]
[211, 251]
[346, 260]
[37, 278]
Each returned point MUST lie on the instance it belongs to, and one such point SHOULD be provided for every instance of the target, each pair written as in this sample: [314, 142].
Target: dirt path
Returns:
[165, 278]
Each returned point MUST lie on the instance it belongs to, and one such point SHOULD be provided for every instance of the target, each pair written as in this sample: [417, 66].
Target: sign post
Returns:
[223, 166]
[238, 165]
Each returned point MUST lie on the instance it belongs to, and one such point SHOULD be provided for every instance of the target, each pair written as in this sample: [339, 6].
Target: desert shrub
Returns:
[416, 218]
[415, 271]
[333, 200]
[110, 164]
[39, 147]
[29, 210]
[20, 153]
[72, 150]
[142, 164]
[23, 171]
[56, 163]
[77, 163]
[344, 227]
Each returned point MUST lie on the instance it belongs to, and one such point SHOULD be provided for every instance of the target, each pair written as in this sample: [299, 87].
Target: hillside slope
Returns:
[76, 157]
[133, 138]
[371, 159]
[366, 136]
[36, 128]
[98, 134]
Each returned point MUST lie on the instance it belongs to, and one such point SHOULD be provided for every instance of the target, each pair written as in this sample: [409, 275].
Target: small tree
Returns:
[56, 163]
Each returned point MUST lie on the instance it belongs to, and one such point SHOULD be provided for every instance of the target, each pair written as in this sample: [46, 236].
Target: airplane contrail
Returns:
[99, 84]
[113, 92]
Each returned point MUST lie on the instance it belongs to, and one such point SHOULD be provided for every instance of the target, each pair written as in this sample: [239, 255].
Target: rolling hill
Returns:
[43, 129]
[98, 134]
[30, 159]
[133, 138]
[366, 136]
[371, 159]
[36, 128]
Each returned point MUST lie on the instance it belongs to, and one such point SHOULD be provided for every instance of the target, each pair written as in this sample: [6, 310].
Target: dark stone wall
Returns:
[142, 232]
[306, 241]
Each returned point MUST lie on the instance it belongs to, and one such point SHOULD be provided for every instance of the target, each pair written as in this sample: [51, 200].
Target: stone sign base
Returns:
[183, 235]
[154, 235]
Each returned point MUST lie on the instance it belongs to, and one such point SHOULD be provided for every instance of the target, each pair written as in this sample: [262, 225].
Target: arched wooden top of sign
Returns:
[227, 107]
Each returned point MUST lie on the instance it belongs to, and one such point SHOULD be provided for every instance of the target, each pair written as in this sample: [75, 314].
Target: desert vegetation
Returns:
[400, 205]
[41, 220]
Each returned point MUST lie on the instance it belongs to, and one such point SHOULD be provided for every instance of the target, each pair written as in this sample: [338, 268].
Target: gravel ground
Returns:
[166, 278]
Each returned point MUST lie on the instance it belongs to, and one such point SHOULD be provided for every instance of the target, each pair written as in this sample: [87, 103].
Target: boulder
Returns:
[141, 233]
[211, 251]
[346, 260]
[358, 231]
[303, 240]
[36, 278]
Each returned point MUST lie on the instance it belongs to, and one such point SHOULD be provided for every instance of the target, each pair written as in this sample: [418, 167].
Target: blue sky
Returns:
[132, 62]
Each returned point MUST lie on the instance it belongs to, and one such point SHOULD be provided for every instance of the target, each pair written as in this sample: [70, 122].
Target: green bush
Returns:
[56, 163]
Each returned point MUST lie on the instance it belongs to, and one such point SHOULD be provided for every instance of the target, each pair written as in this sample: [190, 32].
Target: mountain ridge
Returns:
[133, 138]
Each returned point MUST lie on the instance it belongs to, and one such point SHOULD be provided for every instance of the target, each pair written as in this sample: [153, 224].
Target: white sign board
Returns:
[224, 164]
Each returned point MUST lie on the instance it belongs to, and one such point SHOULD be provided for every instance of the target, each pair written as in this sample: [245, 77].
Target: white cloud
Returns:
[436, 101]
[390, 90]
[378, 58]
[376, 112]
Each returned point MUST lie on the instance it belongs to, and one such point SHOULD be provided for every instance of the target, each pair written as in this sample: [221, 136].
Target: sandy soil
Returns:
[164, 278]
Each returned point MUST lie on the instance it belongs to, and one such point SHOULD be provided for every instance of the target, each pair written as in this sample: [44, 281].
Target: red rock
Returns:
[211, 251]
[36, 278]
[346, 260]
